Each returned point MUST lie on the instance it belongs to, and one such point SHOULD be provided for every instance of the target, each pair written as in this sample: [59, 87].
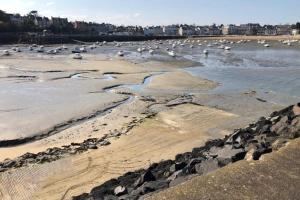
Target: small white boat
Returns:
[6, 53]
[83, 49]
[40, 49]
[121, 53]
[266, 45]
[77, 56]
[227, 48]
[30, 48]
[139, 50]
[172, 53]
[205, 52]
[52, 51]
[192, 46]
[151, 51]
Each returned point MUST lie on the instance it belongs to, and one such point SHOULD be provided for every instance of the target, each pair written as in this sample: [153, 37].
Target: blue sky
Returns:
[161, 12]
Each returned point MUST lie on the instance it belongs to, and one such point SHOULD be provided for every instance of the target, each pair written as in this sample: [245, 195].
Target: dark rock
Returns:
[105, 189]
[177, 166]
[129, 178]
[160, 170]
[9, 164]
[185, 157]
[260, 151]
[190, 168]
[92, 146]
[145, 177]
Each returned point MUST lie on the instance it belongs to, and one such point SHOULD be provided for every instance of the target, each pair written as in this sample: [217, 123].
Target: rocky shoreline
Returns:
[250, 143]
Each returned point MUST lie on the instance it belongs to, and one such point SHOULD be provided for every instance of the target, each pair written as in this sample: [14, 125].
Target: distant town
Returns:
[33, 23]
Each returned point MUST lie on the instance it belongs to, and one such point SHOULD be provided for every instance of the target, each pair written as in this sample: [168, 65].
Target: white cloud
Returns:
[50, 3]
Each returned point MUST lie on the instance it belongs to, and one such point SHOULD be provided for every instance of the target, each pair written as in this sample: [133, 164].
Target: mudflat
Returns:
[69, 125]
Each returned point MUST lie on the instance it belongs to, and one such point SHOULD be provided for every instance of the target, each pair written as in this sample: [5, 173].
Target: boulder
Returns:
[177, 166]
[145, 177]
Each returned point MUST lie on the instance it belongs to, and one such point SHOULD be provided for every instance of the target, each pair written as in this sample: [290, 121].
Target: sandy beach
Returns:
[140, 109]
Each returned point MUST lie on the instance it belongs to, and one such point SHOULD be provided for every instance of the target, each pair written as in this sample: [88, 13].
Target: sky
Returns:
[163, 12]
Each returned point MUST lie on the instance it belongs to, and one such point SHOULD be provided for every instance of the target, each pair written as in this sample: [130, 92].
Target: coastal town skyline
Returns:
[157, 13]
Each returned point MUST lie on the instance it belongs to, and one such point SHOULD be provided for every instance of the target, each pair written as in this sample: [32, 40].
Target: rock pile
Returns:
[251, 142]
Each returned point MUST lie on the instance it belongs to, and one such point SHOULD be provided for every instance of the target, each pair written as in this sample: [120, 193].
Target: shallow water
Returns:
[274, 73]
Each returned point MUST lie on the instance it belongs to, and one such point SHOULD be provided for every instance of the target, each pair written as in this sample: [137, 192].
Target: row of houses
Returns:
[171, 30]
[257, 29]
[41, 22]
[243, 29]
